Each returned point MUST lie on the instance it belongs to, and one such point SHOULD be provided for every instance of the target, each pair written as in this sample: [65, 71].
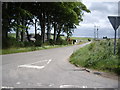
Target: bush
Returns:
[38, 43]
[51, 41]
[5, 43]
[27, 44]
[46, 43]
[11, 42]
[61, 41]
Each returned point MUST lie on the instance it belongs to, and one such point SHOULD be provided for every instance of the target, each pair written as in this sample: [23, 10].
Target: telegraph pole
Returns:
[97, 33]
[94, 32]
[96, 28]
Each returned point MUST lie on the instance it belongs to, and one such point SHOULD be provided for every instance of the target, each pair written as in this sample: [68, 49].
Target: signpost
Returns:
[115, 21]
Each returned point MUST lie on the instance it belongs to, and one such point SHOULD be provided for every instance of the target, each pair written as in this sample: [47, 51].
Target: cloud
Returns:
[89, 1]
[89, 32]
[105, 7]
[95, 6]
[98, 16]
[100, 12]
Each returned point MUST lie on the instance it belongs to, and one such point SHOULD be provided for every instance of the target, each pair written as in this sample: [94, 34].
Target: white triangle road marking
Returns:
[30, 65]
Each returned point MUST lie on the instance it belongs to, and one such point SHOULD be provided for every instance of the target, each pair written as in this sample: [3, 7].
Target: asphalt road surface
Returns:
[49, 69]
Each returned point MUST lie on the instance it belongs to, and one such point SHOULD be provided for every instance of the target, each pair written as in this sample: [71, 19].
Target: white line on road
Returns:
[18, 83]
[72, 86]
[68, 86]
[7, 87]
[49, 61]
[38, 62]
[84, 86]
[30, 65]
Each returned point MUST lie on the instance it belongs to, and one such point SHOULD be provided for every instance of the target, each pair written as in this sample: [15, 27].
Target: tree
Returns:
[62, 16]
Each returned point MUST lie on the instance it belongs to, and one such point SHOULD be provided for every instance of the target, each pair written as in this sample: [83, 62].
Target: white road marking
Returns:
[7, 87]
[49, 61]
[51, 85]
[39, 84]
[30, 65]
[69, 86]
[38, 62]
[18, 83]
[72, 86]
[84, 86]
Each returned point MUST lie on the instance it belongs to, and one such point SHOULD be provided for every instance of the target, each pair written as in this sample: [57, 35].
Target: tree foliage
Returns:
[62, 16]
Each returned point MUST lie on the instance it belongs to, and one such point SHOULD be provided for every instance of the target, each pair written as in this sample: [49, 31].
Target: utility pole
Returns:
[94, 32]
[96, 28]
[97, 33]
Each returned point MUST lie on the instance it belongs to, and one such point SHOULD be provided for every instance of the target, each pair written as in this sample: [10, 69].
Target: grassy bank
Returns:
[27, 49]
[98, 55]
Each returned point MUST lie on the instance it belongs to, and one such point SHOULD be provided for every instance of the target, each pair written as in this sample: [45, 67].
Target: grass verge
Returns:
[27, 49]
[81, 38]
[98, 55]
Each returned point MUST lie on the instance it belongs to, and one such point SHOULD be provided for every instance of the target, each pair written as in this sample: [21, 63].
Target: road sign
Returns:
[115, 21]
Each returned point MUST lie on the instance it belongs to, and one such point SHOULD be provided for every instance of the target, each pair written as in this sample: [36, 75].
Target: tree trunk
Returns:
[48, 30]
[5, 21]
[67, 33]
[17, 31]
[35, 28]
[4, 31]
[28, 38]
[55, 30]
[58, 35]
[17, 34]
[23, 31]
[42, 24]
[21, 35]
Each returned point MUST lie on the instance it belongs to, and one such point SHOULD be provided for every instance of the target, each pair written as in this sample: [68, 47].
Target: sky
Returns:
[100, 10]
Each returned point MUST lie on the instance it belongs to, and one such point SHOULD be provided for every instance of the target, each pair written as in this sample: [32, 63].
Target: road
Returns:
[49, 69]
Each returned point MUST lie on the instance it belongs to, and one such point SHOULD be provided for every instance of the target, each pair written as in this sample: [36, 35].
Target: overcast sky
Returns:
[99, 17]
[100, 10]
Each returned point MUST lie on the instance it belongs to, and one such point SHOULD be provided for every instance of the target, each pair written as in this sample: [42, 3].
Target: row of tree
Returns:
[62, 16]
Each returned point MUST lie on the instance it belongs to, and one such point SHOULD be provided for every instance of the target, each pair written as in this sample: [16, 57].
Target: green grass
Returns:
[81, 38]
[13, 46]
[98, 55]
[27, 49]
[12, 35]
